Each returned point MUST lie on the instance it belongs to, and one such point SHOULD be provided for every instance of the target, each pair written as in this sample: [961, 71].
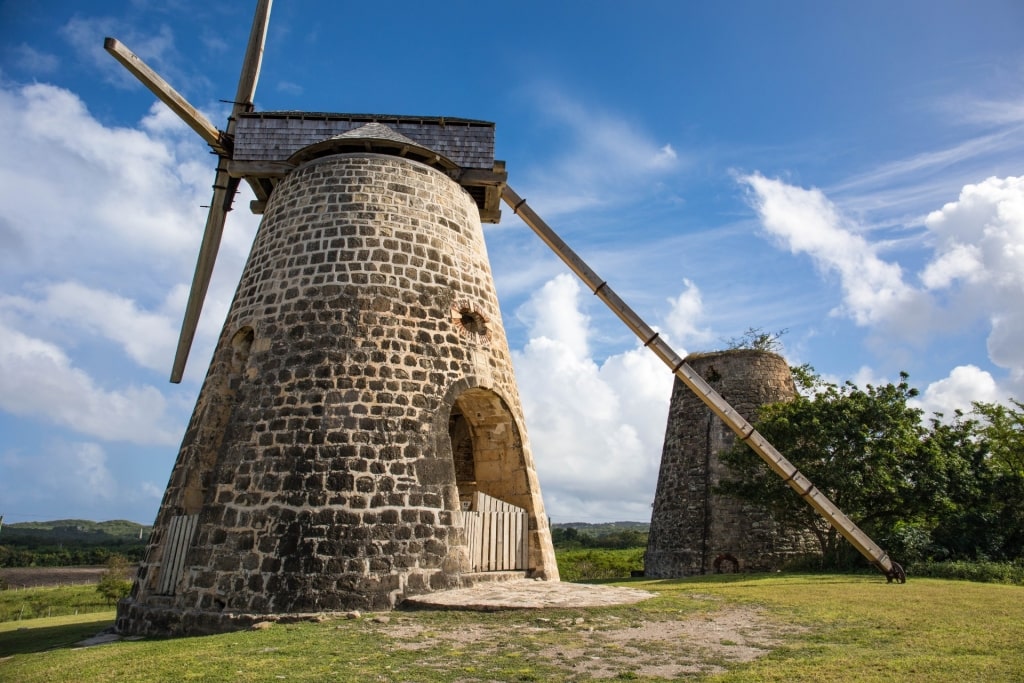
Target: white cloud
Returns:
[979, 262]
[606, 159]
[964, 385]
[682, 319]
[124, 187]
[118, 208]
[596, 428]
[553, 314]
[975, 270]
[38, 380]
[148, 338]
[34, 61]
[806, 222]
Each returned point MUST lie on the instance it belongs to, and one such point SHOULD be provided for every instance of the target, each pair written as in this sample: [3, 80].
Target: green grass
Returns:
[35, 603]
[811, 627]
[38, 635]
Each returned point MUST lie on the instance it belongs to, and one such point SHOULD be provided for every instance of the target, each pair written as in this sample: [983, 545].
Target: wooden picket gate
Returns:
[179, 533]
[497, 534]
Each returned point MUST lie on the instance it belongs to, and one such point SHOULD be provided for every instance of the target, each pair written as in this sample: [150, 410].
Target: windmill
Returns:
[359, 437]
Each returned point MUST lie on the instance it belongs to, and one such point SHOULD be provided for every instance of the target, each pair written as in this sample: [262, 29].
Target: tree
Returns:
[114, 583]
[863, 448]
[986, 518]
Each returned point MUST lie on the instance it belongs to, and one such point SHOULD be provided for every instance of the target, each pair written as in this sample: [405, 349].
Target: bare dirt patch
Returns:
[35, 577]
[608, 647]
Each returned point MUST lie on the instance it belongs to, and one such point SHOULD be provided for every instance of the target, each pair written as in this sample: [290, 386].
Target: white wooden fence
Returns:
[497, 534]
[179, 538]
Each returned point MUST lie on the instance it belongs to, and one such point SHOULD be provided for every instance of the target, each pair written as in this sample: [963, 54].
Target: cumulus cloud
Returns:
[686, 312]
[974, 272]
[111, 206]
[38, 380]
[966, 384]
[979, 261]
[148, 338]
[596, 427]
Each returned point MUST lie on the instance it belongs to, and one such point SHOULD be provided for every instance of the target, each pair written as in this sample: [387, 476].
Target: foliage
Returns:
[115, 582]
[587, 565]
[810, 628]
[948, 490]
[759, 340]
[70, 542]
[980, 571]
[571, 537]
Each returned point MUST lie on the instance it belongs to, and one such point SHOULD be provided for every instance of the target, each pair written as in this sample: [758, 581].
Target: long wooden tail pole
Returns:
[743, 429]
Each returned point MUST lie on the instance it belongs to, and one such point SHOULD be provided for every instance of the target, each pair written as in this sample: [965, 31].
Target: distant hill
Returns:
[70, 542]
[604, 528]
[74, 531]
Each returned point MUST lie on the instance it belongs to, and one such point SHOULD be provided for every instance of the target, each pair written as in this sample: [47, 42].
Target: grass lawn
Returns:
[722, 628]
[32, 603]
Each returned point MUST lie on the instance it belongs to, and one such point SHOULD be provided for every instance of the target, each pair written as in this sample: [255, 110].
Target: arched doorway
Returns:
[490, 475]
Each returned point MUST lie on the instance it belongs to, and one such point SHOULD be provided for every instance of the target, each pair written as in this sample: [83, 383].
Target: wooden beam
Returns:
[224, 188]
[259, 169]
[168, 95]
[477, 177]
[253, 58]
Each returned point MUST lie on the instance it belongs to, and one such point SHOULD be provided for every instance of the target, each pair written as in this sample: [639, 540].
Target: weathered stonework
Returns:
[693, 529]
[364, 338]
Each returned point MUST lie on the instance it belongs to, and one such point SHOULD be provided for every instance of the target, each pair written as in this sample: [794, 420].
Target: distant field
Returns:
[34, 577]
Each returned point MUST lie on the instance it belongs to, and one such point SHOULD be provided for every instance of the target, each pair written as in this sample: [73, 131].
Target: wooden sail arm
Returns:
[214, 137]
[743, 429]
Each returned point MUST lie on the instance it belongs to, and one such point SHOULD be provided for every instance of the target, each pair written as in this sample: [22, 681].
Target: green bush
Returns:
[115, 584]
[981, 571]
[584, 565]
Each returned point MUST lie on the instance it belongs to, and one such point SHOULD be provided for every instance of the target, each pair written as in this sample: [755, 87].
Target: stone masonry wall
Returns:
[693, 529]
[318, 458]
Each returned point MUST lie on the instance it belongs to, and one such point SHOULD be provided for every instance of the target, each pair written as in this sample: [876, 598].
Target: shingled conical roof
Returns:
[376, 131]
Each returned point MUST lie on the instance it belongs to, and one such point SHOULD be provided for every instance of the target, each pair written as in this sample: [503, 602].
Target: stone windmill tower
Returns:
[694, 529]
[359, 436]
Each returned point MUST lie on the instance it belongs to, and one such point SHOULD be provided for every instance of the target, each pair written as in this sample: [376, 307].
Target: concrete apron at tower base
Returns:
[317, 472]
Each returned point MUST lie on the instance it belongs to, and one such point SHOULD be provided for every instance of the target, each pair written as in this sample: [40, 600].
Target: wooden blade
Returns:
[253, 58]
[224, 188]
[168, 95]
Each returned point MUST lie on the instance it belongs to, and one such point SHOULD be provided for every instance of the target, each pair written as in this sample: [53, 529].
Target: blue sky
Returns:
[849, 172]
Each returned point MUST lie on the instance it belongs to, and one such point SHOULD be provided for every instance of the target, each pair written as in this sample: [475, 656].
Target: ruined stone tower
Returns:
[361, 403]
[693, 529]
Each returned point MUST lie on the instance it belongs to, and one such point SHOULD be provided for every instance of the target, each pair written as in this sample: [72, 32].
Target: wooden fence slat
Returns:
[496, 534]
[180, 533]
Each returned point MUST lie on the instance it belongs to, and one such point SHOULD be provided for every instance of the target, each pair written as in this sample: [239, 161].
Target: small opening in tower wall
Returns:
[469, 323]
